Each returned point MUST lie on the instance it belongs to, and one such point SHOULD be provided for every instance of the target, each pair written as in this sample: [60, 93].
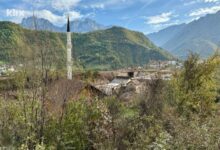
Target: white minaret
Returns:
[69, 52]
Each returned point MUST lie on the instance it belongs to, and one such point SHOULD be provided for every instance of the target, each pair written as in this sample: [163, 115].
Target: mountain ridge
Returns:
[165, 34]
[80, 25]
[199, 36]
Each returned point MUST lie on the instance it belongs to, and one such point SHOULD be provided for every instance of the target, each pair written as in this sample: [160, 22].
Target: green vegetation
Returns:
[41, 110]
[108, 49]
[176, 114]
[218, 81]
[2, 62]
[196, 85]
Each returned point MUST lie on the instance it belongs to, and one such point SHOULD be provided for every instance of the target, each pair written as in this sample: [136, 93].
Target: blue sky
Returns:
[142, 15]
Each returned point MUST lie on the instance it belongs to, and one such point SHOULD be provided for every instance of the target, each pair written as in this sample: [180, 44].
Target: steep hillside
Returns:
[16, 42]
[201, 36]
[117, 47]
[111, 48]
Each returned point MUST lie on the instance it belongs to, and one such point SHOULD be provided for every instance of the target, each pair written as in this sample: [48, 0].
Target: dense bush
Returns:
[177, 114]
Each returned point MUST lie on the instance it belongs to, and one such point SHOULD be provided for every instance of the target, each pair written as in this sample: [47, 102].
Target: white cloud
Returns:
[159, 27]
[57, 19]
[192, 2]
[64, 4]
[210, 1]
[46, 14]
[97, 6]
[204, 11]
[158, 19]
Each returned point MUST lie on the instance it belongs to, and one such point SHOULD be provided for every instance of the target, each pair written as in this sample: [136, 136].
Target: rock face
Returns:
[86, 25]
[40, 24]
[79, 26]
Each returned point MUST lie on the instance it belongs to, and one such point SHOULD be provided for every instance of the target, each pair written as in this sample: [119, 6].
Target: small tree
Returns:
[195, 87]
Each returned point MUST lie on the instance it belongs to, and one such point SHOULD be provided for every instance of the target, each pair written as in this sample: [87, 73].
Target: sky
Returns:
[146, 16]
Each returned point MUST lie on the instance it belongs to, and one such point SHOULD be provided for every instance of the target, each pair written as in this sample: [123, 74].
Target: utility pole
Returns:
[69, 51]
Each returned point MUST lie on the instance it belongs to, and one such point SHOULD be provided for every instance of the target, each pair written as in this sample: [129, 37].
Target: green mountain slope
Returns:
[112, 48]
[16, 42]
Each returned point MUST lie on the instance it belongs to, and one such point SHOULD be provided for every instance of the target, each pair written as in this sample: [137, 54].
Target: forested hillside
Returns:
[111, 48]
